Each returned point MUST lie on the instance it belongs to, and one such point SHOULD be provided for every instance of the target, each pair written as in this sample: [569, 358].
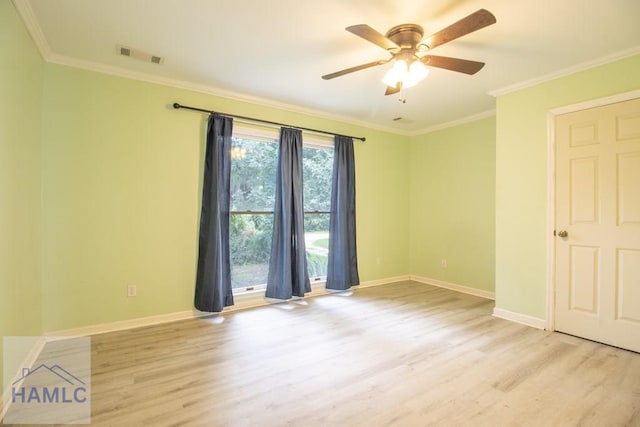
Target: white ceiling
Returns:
[274, 51]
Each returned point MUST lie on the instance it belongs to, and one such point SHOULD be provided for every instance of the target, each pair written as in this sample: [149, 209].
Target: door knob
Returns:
[563, 233]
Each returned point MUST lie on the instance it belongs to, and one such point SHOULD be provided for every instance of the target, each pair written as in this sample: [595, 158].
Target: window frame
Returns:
[253, 132]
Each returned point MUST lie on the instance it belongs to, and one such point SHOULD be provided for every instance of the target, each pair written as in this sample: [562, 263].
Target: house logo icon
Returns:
[50, 380]
[48, 385]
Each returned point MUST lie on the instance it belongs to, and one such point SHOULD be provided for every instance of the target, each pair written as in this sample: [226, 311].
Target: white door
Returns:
[598, 206]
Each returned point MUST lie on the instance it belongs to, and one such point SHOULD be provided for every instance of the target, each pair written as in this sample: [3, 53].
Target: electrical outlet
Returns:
[132, 291]
[443, 263]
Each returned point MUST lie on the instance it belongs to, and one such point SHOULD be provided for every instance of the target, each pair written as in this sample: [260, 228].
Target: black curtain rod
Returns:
[178, 106]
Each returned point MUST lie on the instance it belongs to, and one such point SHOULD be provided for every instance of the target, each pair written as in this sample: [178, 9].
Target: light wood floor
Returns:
[403, 355]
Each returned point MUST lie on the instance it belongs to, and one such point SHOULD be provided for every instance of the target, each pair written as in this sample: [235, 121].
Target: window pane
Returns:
[253, 175]
[253, 166]
[316, 239]
[317, 166]
[250, 245]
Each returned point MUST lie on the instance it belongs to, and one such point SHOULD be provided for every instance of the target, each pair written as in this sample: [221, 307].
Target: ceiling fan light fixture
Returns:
[417, 72]
[408, 75]
[396, 74]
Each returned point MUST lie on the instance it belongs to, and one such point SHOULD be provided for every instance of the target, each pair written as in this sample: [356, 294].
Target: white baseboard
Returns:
[121, 325]
[250, 300]
[28, 362]
[455, 287]
[524, 319]
[386, 281]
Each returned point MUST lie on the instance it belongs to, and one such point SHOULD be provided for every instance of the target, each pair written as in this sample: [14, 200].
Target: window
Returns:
[253, 176]
[317, 166]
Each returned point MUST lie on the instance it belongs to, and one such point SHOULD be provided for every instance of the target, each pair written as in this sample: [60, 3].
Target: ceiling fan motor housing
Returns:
[407, 36]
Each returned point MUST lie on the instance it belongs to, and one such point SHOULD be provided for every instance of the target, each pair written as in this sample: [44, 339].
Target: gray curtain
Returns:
[213, 279]
[342, 271]
[288, 274]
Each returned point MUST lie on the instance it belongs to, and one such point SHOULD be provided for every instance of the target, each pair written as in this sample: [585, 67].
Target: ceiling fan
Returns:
[406, 45]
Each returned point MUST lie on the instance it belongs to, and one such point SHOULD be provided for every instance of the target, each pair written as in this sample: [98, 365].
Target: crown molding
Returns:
[212, 90]
[33, 26]
[31, 22]
[566, 72]
[457, 122]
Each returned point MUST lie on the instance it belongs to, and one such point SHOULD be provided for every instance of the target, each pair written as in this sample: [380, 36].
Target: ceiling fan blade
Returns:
[391, 90]
[453, 64]
[469, 24]
[371, 35]
[353, 69]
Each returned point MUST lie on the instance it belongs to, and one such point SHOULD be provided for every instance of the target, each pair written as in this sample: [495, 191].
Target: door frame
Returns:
[551, 189]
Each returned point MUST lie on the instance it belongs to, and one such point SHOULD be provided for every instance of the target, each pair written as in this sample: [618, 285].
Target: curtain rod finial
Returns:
[176, 105]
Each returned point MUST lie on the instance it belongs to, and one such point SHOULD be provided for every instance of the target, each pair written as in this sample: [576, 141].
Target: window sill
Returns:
[256, 298]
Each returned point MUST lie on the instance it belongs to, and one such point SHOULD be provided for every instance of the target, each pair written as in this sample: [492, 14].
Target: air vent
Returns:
[140, 55]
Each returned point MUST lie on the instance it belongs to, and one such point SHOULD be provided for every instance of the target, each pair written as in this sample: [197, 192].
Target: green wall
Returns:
[121, 189]
[452, 205]
[121, 192]
[20, 111]
[521, 177]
